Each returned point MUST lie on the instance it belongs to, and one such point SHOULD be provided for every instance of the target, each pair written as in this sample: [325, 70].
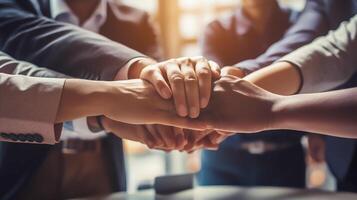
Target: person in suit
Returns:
[318, 17]
[255, 159]
[326, 63]
[109, 19]
[27, 33]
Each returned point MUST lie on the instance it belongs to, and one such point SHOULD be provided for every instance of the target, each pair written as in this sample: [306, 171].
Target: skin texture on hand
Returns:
[136, 102]
[187, 80]
[164, 138]
[239, 106]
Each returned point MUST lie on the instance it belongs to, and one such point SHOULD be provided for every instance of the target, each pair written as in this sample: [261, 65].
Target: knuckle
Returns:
[172, 60]
[190, 80]
[213, 63]
[177, 78]
[149, 72]
[204, 72]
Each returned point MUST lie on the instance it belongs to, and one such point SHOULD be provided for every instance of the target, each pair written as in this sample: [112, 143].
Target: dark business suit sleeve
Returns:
[28, 36]
[311, 23]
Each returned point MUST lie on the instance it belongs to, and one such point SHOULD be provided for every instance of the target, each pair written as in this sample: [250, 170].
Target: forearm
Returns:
[331, 113]
[82, 98]
[281, 78]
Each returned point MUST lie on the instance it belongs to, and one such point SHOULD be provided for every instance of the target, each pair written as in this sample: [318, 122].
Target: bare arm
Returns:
[133, 102]
[331, 113]
[281, 78]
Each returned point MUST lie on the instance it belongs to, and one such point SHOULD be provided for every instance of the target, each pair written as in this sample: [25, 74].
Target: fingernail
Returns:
[194, 112]
[182, 111]
[204, 102]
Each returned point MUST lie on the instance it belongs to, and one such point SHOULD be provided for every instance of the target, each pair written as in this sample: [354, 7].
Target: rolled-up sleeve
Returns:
[28, 109]
[329, 61]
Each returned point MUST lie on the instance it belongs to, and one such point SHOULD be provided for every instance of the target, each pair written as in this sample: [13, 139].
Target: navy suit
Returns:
[317, 19]
[27, 33]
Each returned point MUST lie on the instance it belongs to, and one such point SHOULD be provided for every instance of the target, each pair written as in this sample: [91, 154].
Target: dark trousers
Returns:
[349, 183]
[285, 168]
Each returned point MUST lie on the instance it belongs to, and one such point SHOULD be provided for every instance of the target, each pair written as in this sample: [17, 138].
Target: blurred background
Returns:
[180, 24]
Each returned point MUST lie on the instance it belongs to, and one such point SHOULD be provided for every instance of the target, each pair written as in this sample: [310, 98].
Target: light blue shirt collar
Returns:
[60, 11]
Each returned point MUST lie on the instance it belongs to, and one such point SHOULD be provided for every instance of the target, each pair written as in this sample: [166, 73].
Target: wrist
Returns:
[114, 98]
[81, 98]
[280, 113]
[100, 96]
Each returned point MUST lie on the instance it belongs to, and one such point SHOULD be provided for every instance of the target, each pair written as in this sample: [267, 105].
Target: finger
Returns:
[148, 139]
[232, 71]
[167, 134]
[190, 142]
[158, 140]
[154, 75]
[180, 138]
[209, 145]
[176, 80]
[195, 139]
[204, 76]
[217, 138]
[191, 89]
[216, 70]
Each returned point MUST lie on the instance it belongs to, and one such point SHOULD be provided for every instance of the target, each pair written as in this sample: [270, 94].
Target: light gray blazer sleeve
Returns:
[329, 61]
[28, 105]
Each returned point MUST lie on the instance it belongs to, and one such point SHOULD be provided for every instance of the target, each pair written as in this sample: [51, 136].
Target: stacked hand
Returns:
[187, 82]
[170, 97]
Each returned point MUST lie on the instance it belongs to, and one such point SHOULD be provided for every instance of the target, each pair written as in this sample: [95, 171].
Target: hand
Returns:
[137, 102]
[171, 138]
[239, 106]
[188, 80]
[154, 136]
[208, 139]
